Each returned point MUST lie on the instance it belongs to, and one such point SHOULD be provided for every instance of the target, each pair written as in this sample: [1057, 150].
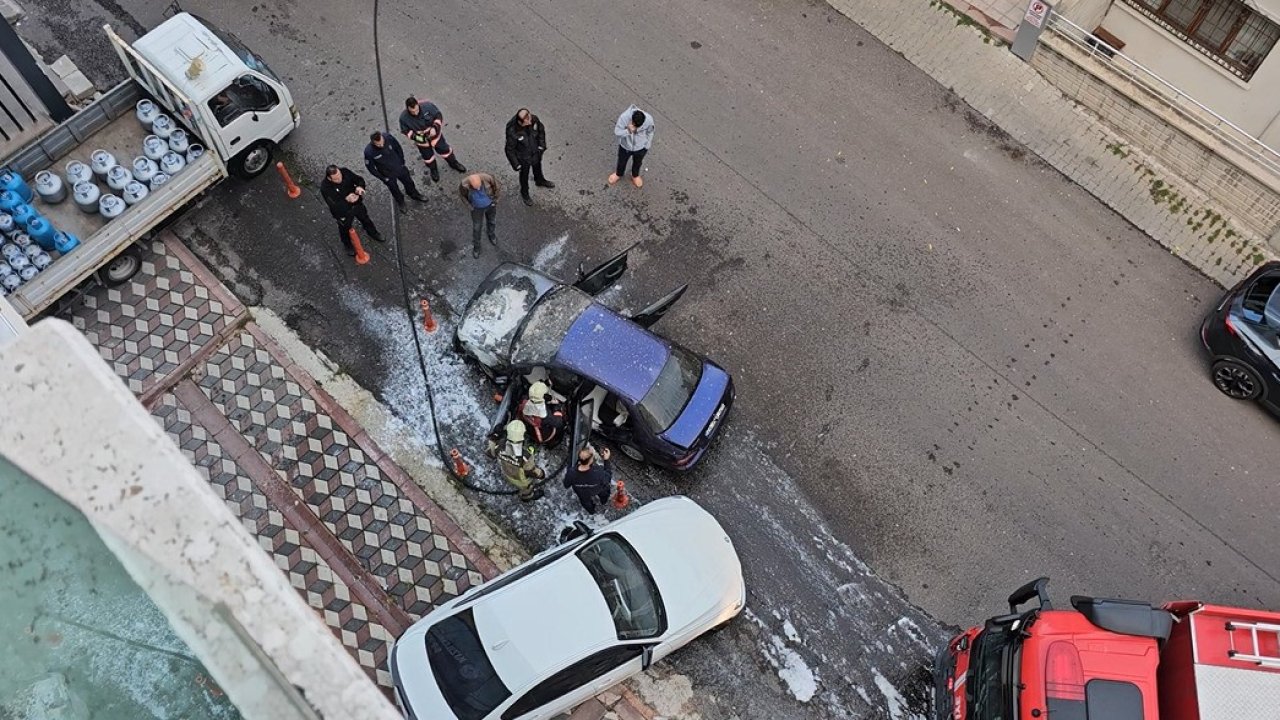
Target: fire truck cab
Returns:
[1105, 659]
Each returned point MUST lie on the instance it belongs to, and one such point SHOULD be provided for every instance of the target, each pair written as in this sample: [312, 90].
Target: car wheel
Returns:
[252, 162]
[631, 451]
[1236, 380]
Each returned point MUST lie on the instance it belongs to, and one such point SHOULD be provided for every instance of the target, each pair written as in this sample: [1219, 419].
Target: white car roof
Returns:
[543, 622]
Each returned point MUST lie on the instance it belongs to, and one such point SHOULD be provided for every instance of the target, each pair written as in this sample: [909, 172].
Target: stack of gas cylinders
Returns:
[102, 186]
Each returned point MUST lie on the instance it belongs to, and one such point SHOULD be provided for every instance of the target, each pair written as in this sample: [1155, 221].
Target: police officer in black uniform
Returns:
[343, 192]
[423, 123]
[384, 159]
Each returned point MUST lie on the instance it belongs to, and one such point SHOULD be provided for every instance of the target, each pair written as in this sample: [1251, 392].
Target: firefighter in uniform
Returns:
[423, 123]
[544, 412]
[516, 458]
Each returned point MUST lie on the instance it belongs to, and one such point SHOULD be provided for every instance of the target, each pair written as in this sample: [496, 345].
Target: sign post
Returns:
[1033, 23]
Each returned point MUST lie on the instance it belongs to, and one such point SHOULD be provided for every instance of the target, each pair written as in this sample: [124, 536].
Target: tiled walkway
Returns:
[356, 536]
[357, 539]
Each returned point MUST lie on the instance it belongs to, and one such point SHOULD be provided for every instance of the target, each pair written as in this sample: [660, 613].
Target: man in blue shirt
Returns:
[480, 192]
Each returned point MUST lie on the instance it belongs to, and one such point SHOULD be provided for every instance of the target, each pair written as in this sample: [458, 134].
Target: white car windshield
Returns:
[627, 586]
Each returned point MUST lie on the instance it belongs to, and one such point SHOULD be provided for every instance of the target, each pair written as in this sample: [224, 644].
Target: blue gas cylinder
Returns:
[65, 242]
[22, 214]
[10, 180]
[42, 232]
[9, 200]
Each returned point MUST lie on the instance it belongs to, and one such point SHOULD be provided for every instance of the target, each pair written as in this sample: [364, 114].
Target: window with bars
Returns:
[1234, 36]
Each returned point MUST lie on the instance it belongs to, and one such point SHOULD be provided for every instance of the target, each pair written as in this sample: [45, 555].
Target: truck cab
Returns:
[1106, 659]
[242, 108]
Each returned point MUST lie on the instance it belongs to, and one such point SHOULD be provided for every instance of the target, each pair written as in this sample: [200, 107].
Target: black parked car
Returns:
[1242, 335]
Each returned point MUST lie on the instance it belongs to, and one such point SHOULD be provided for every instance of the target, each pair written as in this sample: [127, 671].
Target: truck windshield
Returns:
[994, 654]
[242, 51]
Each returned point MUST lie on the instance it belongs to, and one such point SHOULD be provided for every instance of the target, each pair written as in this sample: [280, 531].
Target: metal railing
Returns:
[1220, 128]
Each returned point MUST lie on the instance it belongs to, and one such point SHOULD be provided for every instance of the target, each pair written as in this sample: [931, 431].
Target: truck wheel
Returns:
[253, 161]
[120, 269]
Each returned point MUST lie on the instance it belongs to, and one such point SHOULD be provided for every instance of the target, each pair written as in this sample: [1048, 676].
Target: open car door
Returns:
[604, 275]
[652, 314]
[582, 418]
[506, 407]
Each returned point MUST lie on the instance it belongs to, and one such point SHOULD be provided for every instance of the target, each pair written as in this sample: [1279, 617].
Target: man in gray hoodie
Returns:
[634, 130]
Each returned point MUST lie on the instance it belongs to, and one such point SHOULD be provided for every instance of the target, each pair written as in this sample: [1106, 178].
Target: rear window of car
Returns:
[1261, 302]
[1103, 700]
[548, 323]
[462, 670]
[671, 391]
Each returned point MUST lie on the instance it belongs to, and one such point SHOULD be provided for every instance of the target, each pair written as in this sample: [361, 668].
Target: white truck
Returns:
[224, 95]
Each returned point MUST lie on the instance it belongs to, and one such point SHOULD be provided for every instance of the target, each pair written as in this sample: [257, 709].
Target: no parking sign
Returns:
[1033, 22]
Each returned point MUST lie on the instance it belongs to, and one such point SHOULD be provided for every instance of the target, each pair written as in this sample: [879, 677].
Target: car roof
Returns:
[543, 622]
[613, 351]
[499, 308]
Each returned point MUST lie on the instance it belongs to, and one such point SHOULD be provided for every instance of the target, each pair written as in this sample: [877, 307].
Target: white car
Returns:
[577, 619]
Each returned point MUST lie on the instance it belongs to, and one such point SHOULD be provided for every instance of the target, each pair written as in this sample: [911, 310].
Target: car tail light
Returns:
[686, 458]
[1063, 673]
[1231, 327]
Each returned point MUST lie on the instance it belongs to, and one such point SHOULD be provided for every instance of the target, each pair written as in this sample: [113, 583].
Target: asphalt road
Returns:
[952, 364]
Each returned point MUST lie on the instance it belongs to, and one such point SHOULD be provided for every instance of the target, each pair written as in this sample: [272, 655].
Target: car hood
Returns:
[702, 405]
[497, 309]
[414, 679]
[694, 578]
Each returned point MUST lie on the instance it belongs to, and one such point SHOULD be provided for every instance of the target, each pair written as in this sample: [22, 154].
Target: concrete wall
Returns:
[1254, 106]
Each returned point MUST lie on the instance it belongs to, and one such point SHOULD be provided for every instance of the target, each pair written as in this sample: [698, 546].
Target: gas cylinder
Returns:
[31, 251]
[8, 250]
[21, 239]
[28, 272]
[23, 213]
[154, 148]
[110, 206]
[134, 192]
[172, 164]
[194, 152]
[77, 172]
[18, 261]
[146, 112]
[144, 168]
[178, 141]
[86, 195]
[66, 242]
[50, 187]
[101, 161]
[12, 281]
[10, 180]
[41, 231]
[7, 226]
[42, 261]
[118, 177]
[158, 179]
[162, 126]
[9, 200]
[5, 269]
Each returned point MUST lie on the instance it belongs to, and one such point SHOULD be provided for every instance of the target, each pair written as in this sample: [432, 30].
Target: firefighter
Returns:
[423, 123]
[517, 461]
[543, 410]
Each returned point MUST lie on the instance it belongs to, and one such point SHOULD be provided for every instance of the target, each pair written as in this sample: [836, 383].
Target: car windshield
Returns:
[671, 391]
[628, 589]
[990, 673]
[247, 56]
[462, 670]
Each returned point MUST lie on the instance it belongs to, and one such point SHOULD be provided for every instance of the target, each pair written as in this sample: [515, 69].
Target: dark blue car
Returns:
[655, 400]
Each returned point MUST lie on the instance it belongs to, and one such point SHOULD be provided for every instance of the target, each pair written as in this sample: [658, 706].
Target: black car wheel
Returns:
[1236, 380]
[631, 451]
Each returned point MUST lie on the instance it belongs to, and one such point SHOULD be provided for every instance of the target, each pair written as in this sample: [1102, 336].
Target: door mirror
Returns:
[646, 657]
[1037, 589]
[652, 314]
[604, 275]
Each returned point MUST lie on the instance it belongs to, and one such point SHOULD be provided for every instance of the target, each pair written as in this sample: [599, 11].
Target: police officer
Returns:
[517, 461]
[526, 142]
[343, 192]
[385, 160]
[423, 123]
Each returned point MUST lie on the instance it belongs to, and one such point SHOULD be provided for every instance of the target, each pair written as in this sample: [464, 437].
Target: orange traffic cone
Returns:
[620, 498]
[362, 257]
[290, 187]
[428, 320]
[459, 465]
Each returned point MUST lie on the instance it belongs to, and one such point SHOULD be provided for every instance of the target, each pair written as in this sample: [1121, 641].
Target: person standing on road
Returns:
[343, 192]
[480, 192]
[517, 461]
[423, 123]
[384, 158]
[634, 131]
[590, 480]
[526, 141]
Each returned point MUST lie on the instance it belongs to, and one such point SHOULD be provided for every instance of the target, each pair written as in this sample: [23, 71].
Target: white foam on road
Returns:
[897, 704]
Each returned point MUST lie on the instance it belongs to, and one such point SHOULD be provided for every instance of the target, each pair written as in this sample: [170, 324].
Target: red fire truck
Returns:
[1112, 660]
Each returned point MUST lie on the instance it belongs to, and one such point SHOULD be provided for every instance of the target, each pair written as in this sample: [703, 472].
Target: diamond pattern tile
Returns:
[145, 328]
[366, 639]
[383, 529]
